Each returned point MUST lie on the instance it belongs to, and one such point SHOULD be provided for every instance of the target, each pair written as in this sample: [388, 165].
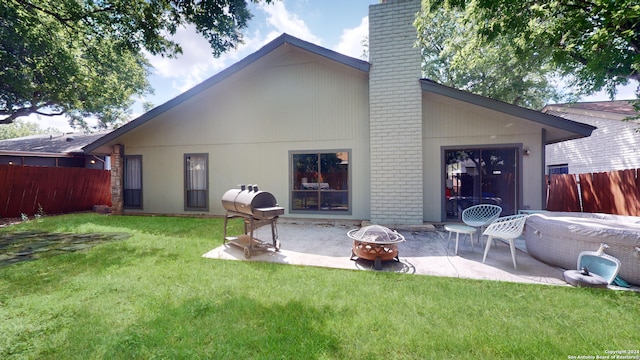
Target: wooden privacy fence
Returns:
[57, 190]
[615, 192]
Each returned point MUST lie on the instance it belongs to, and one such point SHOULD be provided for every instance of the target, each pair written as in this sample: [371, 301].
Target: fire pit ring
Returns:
[375, 243]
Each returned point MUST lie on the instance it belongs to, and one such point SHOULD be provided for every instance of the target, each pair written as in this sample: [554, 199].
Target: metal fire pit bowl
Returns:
[375, 243]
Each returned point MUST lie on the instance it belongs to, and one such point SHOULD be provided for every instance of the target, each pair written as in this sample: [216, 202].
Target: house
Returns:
[59, 150]
[335, 137]
[614, 145]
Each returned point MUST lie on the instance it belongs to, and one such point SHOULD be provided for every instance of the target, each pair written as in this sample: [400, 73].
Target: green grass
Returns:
[153, 296]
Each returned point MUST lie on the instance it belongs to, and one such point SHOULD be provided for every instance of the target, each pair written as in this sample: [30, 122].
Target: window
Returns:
[481, 176]
[558, 169]
[196, 179]
[320, 181]
[133, 182]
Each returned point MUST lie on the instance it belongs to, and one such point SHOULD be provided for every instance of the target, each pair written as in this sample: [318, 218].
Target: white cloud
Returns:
[59, 122]
[284, 21]
[351, 39]
[195, 64]
[627, 92]
[56, 123]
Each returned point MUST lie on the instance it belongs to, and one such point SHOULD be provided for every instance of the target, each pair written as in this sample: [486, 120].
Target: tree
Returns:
[20, 128]
[453, 57]
[84, 58]
[594, 42]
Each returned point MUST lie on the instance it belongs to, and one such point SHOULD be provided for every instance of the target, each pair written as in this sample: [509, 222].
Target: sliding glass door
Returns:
[481, 176]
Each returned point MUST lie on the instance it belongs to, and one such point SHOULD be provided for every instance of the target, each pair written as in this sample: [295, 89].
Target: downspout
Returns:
[545, 185]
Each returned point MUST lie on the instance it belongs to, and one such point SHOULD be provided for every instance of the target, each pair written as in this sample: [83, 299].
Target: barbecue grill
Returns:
[256, 208]
[376, 243]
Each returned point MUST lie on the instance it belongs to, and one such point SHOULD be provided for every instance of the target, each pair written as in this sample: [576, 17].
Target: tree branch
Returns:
[61, 112]
[26, 111]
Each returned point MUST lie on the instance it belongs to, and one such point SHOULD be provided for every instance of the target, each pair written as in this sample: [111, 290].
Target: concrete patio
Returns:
[425, 252]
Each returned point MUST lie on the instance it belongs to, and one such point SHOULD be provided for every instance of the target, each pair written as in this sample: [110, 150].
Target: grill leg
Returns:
[250, 248]
[274, 234]
[226, 220]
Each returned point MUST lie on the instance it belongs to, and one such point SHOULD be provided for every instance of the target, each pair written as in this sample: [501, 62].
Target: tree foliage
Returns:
[454, 57]
[84, 58]
[20, 128]
[594, 42]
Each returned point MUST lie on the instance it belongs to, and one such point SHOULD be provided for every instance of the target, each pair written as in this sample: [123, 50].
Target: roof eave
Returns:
[40, 154]
[579, 129]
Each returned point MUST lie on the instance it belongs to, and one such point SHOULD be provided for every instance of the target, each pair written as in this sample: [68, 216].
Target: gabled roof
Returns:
[228, 72]
[48, 144]
[559, 129]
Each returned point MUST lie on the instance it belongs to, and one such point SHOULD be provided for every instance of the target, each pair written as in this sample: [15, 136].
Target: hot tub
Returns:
[557, 238]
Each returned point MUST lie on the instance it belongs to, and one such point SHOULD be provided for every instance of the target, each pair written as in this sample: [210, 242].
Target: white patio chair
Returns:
[479, 216]
[506, 229]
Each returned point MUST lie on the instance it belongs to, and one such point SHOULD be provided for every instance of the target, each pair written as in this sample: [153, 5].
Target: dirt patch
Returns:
[32, 245]
[9, 221]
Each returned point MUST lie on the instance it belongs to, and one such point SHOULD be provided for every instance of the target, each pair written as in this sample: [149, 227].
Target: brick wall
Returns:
[395, 114]
[117, 201]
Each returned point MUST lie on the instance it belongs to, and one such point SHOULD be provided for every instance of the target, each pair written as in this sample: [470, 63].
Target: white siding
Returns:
[614, 145]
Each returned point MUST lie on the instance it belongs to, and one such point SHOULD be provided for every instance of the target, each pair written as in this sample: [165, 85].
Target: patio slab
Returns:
[425, 252]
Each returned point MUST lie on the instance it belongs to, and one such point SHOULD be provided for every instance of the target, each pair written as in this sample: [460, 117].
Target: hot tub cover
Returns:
[375, 234]
[558, 238]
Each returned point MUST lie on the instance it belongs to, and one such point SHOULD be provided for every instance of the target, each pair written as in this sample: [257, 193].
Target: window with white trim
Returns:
[558, 169]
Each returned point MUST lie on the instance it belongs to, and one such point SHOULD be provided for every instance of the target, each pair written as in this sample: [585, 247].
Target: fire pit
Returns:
[256, 208]
[375, 243]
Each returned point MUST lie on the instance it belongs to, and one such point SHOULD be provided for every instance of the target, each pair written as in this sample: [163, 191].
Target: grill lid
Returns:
[251, 201]
[375, 234]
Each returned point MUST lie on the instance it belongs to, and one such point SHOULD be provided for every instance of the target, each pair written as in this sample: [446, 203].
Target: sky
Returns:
[339, 25]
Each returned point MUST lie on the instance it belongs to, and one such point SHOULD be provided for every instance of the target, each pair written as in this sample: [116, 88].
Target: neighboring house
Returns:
[59, 150]
[614, 145]
[335, 137]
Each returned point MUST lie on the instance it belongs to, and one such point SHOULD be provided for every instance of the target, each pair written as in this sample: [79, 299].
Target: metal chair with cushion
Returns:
[506, 229]
[479, 216]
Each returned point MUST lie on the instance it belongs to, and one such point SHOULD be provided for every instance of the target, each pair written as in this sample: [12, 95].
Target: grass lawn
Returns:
[152, 295]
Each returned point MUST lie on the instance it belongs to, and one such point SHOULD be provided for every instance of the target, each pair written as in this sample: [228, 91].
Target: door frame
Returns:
[443, 170]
